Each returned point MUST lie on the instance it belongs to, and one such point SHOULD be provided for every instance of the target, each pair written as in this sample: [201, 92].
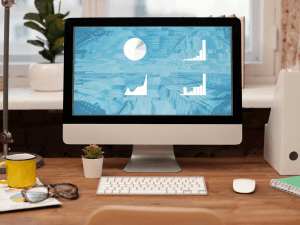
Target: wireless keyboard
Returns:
[151, 186]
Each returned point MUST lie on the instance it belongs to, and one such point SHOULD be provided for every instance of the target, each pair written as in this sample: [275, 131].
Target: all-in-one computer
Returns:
[152, 83]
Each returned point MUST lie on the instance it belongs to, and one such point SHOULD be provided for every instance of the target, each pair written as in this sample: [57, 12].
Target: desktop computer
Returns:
[152, 83]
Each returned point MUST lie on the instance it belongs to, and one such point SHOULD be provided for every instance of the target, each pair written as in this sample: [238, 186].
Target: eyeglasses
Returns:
[39, 193]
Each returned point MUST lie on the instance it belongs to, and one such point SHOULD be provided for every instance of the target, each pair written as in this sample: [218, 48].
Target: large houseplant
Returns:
[47, 76]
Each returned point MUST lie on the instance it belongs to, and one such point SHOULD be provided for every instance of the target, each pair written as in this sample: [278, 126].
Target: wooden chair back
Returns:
[143, 215]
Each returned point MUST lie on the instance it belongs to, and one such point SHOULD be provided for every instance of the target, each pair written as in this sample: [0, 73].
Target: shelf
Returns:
[254, 96]
[258, 95]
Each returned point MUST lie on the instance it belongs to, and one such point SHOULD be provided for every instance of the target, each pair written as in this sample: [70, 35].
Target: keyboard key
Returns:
[101, 191]
[108, 191]
[171, 191]
[116, 192]
[124, 191]
[201, 188]
[147, 192]
[103, 188]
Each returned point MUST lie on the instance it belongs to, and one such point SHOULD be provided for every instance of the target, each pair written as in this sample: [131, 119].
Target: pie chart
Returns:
[17, 198]
[134, 49]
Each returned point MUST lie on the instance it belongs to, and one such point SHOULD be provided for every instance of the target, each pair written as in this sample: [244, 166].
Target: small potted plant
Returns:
[92, 161]
[47, 76]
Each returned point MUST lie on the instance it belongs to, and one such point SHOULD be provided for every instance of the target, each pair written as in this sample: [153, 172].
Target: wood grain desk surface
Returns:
[265, 206]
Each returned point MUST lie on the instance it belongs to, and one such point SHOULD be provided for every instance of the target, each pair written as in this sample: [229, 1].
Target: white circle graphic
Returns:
[135, 49]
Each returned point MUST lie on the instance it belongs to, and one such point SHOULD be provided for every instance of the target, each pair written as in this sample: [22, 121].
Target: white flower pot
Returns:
[92, 167]
[46, 76]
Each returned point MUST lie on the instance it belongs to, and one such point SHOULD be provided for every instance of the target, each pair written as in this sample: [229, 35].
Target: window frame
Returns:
[264, 71]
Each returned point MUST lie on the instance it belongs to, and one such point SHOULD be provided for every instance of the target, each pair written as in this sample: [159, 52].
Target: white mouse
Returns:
[243, 186]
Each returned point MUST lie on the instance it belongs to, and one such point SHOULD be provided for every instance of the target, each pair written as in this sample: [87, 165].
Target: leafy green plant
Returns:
[92, 152]
[51, 25]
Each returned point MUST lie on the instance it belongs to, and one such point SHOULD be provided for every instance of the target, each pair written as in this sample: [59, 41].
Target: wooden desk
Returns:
[264, 206]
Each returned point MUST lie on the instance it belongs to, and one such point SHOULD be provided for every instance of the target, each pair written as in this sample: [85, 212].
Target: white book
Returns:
[12, 199]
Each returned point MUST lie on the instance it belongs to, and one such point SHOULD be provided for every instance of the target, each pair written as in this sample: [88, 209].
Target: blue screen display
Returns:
[152, 71]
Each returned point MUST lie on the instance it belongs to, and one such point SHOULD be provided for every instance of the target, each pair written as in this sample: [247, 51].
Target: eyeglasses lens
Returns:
[67, 191]
[37, 194]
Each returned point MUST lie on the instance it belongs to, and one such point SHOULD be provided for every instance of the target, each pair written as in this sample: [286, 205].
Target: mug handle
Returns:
[3, 182]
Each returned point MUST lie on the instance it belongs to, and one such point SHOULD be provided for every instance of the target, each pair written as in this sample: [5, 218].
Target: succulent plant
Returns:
[92, 152]
[51, 25]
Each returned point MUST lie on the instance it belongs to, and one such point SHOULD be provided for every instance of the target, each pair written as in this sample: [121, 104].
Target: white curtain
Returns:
[94, 8]
[290, 54]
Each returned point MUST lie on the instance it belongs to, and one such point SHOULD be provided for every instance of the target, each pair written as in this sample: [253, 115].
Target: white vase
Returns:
[92, 167]
[46, 76]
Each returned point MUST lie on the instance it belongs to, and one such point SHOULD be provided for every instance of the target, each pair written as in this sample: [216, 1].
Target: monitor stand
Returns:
[152, 159]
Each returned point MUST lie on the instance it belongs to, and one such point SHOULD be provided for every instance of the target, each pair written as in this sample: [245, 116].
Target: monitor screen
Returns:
[152, 71]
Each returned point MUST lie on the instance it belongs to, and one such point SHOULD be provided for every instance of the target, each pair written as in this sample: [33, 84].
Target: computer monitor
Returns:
[152, 83]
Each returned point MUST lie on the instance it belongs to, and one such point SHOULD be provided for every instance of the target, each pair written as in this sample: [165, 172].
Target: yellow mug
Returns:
[20, 170]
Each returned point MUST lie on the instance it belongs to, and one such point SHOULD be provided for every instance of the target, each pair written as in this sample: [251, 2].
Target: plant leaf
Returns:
[65, 15]
[44, 41]
[45, 7]
[57, 27]
[49, 19]
[36, 43]
[55, 30]
[58, 46]
[35, 26]
[46, 54]
[51, 38]
[34, 16]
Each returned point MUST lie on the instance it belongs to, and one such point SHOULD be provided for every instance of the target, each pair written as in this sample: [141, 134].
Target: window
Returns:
[260, 18]
[20, 51]
[192, 8]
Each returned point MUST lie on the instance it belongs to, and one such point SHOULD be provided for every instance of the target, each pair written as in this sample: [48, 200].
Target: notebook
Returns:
[12, 199]
[289, 184]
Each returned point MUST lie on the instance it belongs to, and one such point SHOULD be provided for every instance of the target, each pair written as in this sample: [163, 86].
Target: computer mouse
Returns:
[243, 186]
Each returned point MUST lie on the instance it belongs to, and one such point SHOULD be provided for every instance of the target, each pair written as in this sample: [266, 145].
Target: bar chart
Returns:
[201, 90]
[202, 54]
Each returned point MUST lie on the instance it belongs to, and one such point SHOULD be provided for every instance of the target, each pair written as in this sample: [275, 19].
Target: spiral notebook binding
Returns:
[285, 187]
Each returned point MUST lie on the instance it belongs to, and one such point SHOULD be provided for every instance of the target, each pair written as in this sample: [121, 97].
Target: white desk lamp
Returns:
[5, 136]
